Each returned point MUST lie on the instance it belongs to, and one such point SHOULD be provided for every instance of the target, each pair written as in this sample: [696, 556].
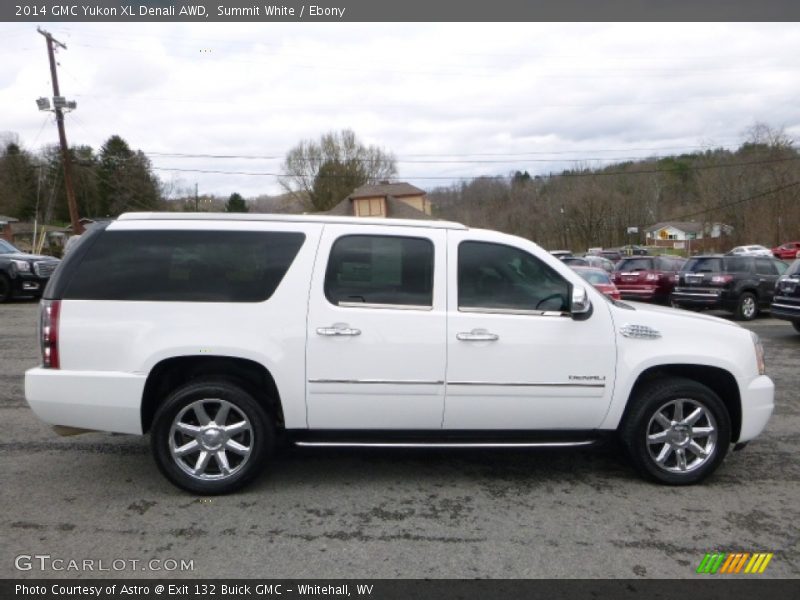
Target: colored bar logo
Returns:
[734, 562]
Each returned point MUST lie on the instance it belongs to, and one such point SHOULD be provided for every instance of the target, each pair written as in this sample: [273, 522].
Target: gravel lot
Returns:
[392, 514]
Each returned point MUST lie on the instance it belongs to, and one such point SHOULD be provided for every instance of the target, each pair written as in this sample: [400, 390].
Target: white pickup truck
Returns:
[215, 332]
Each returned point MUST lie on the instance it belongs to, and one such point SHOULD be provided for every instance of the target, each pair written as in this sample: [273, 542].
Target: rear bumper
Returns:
[101, 401]
[642, 293]
[700, 298]
[758, 402]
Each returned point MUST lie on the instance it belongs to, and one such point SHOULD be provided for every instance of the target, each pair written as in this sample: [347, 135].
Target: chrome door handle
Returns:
[338, 329]
[477, 335]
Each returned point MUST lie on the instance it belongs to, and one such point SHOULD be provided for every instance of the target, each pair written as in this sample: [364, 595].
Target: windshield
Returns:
[635, 264]
[6, 248]
[794, 268]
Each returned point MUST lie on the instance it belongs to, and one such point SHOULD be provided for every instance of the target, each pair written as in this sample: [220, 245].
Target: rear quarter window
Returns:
[185, 266]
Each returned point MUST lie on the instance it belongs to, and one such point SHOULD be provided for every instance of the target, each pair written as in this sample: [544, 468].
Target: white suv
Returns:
[213, 332]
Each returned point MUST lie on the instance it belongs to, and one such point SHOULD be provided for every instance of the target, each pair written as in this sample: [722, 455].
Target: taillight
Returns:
[721, 279]
[48, 333]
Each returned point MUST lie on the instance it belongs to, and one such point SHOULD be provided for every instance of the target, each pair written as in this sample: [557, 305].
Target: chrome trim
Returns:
[789, 306]
[698, 294]
[525, 384]
[379, 381]
[512, 311]
[390, 306]
[446, 444]
[639, 332]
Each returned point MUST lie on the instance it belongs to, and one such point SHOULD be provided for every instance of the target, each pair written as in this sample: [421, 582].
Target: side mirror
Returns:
[580, 307]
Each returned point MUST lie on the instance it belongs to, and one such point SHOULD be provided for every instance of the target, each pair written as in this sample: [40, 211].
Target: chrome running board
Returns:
[445, 444]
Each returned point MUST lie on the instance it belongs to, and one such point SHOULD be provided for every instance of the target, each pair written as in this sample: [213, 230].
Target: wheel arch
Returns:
[172, 372]
[720, 381]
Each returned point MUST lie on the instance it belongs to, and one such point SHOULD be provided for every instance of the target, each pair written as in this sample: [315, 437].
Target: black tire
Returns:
[641, 424]
[796, 325]
[5, 288]
[256, 435]
[746, 307]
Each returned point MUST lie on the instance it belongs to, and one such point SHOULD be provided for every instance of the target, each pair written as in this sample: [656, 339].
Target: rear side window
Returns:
[376, 269]
[739, 265]
[766, 267]
[185, 266]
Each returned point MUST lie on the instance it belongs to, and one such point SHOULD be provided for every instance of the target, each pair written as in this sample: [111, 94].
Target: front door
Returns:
[516, 358]
[376, 342]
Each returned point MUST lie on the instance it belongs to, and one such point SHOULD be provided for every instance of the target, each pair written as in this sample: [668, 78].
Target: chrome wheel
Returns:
[211, 439]
[748, 307]
[681, 436]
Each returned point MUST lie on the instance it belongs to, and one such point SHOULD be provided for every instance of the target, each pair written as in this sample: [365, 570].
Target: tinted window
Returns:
[575, 262]
[494, 276]
[635, 264]
[739, 265]
[703, 265]
[380, 270]
[765, 267]
[185, 266]
[794, 268]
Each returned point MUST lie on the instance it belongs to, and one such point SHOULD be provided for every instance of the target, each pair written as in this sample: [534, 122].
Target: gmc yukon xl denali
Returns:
[216, 333]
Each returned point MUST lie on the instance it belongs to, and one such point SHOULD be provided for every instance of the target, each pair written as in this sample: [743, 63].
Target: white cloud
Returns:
[564, 91]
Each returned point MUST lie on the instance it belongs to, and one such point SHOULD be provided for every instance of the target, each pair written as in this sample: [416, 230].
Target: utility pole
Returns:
[77, 228]
[196, 198]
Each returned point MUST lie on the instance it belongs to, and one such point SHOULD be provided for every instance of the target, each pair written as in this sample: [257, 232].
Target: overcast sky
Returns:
[451, 101]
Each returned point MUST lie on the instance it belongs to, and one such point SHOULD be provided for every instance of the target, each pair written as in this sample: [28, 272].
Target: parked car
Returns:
[742, 285]
[647, 278]
[613, 255]
[561, 253]
[787, 251]
[23, 274]
[595, 262]
[216, 332]
[634, 250]
[599, 279]
[754, 250]
[786, 302]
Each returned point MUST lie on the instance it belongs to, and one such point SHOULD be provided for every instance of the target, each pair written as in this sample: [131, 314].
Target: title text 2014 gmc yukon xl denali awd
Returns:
[214, 332]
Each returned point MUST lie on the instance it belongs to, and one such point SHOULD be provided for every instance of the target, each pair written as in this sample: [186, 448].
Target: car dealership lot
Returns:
[392, 513]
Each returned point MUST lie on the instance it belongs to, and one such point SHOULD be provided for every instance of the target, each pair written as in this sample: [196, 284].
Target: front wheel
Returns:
[211, 437]
[677, 431]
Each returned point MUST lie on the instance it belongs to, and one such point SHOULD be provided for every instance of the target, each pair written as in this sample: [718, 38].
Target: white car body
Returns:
[754, 250]
[408, 369]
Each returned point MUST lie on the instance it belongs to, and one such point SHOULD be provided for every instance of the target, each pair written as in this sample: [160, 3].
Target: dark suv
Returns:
[786, 303]
[647, 278]
[23, 274]
[740, 284]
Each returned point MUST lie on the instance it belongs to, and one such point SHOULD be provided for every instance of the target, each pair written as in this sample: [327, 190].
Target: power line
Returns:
[565, 173]
[740, 201]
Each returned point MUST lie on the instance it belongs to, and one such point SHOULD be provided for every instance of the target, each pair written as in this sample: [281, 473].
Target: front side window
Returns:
[495, 276]
[380, 270]
[766, 267]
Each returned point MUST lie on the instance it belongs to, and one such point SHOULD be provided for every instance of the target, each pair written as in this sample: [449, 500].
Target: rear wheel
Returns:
[747, 307]
[5, 288]
[211, 437]
[677, 432]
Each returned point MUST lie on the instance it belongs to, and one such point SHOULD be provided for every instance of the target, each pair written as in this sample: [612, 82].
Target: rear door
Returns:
[376, 343]
[516, 359]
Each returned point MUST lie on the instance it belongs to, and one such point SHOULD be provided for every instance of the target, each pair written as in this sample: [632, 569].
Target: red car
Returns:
[599, 279]
[789, 250]
[647, 278]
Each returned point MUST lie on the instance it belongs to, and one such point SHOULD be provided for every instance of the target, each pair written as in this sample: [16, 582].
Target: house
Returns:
[398, 200]
[669, 232]
[6, 231]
